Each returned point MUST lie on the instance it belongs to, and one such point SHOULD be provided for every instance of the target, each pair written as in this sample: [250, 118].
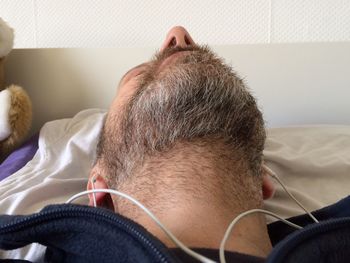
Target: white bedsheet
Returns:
[58, 170]
[313, 161]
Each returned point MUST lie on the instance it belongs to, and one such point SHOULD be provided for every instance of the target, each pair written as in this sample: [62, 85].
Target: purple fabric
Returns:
[19, 158]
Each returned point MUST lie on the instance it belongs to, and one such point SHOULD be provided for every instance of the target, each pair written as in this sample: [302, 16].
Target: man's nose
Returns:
[177, 37]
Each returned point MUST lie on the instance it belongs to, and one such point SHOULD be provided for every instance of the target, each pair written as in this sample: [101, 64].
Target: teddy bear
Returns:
[15, 104]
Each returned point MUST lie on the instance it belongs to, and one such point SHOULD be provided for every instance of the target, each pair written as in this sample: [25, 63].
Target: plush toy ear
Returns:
[19, 119]
[6, 38]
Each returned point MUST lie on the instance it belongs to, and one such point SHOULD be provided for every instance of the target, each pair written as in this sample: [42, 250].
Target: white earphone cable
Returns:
[228, 231]
[239, 217]
[275, 176]
[155, 219]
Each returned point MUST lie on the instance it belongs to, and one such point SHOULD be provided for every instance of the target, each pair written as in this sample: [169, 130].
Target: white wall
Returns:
[311, 86]
[118, 23]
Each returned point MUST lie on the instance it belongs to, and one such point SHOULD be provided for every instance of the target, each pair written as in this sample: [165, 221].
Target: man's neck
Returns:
[202, 224]
[196, 195]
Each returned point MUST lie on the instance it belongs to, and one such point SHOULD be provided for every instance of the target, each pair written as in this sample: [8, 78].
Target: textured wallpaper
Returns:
[116, 23]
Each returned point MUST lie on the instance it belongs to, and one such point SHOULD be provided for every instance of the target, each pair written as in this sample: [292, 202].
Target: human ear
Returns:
[268, 187]
[97, 181]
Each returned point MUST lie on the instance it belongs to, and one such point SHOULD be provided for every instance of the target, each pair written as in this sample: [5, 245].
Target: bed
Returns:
[303, 90]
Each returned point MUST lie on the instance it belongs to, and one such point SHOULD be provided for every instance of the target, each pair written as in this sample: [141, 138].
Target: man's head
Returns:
[183, 122]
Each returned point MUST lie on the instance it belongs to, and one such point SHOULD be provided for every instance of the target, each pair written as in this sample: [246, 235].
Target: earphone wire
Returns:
[228, 231]
[239, 217]
[275, 176]
[186, 249]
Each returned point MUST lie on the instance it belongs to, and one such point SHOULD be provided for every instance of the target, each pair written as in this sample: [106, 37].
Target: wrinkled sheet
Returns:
[314, 163]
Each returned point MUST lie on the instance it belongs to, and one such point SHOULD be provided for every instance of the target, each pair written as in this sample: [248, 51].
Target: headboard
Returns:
[295, 84]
